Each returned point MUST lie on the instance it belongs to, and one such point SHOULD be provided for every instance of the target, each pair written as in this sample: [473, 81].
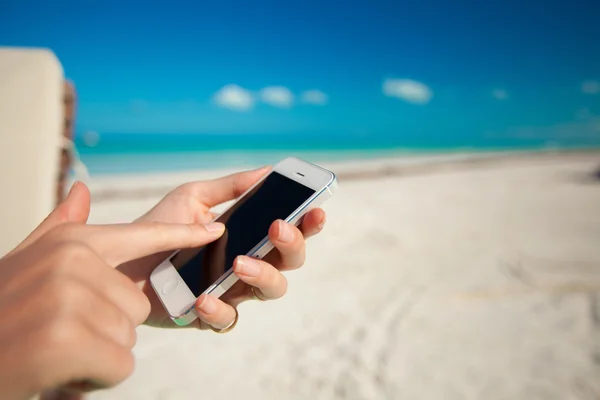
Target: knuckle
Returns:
[138, 304]
[194, 230]
[56, 342]
[183, 189]
[294, 259]
[283, 284]
[117, 366]
[65, 296]
[223, 319]
[143, 308]
[267, 272]
[68, 254]
[197, 231]
[132, 336]
[60, 333]
[207, 322]
[126, 331]
[125, 365]
[301, 260]
[139, 300]
[298, 243]
[64, 231]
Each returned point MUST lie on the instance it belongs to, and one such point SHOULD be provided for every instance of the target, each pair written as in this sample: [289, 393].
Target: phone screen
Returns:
[247, 222]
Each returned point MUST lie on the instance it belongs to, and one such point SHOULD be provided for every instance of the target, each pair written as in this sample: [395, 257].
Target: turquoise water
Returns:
[217, 159]
[136, 153]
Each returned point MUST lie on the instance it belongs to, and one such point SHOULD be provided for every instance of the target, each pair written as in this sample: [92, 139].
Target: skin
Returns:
[72, 314]
[188, 204]
[192, 203]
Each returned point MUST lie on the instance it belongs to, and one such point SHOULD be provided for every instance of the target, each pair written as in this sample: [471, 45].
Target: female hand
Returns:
[68, 316]
[191, 203]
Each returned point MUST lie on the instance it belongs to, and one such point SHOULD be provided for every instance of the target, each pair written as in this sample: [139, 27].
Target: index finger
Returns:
[220, 190]
[119, 243]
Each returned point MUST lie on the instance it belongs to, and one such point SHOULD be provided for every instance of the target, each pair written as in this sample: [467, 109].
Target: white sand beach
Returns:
[445, 278]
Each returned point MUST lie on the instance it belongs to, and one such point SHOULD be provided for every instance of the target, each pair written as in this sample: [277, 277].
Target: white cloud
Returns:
[315, 97]
[590, 87]
[234, 97]
[500, 94]
[277, 96]
[407, 90]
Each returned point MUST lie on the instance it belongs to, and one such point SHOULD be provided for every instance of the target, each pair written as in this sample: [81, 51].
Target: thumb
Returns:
[75, 208]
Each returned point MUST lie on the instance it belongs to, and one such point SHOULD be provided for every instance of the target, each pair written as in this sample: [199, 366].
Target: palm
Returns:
[191, 203]
[179, 206]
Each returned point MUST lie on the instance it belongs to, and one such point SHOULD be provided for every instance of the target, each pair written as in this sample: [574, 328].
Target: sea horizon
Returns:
[117, 153]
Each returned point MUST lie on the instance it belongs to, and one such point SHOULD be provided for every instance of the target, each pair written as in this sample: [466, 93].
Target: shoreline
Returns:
[138, 185]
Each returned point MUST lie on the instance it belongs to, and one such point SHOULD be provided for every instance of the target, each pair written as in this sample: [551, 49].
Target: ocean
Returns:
[115, 153]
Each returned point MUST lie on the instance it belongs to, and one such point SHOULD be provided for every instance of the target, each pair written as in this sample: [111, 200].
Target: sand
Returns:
[467, 280]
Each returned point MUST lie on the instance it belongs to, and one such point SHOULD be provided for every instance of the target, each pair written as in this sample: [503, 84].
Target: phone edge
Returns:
[229, 278]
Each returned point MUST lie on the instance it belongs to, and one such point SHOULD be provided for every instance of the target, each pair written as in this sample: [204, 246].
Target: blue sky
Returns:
[370, 67]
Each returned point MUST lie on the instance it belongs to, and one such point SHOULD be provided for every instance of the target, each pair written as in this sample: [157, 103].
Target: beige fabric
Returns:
[31, 114]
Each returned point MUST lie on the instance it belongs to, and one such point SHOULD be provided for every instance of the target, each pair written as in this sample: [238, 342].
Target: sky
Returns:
[470, 68]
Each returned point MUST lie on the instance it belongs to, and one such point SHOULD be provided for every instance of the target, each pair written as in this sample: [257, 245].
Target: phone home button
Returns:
[170, 286]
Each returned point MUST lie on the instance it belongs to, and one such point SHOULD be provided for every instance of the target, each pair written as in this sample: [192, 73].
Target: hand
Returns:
[69, 317]
[192, 203]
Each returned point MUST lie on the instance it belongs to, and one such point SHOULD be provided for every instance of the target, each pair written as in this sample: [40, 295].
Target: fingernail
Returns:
[215, 227]
[247, 266]
[286, 232]
[208, 305]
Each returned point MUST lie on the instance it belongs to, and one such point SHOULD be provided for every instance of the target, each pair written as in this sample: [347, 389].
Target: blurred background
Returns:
[461, 256]
[211, 84]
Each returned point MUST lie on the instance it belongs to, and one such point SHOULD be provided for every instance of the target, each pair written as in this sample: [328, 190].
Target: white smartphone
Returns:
[291, 189]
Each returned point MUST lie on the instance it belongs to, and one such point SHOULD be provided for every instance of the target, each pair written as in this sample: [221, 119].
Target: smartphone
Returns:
[291, 189]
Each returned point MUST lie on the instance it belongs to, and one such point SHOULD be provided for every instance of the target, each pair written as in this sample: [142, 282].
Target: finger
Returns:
[117, 244]
[217, 191]
[214, 312]
[75, 208]
[86, 356]
[98, 363]
[76, 301]
[104, 318]
[117, 289]
[289, 245]
[313, 222]
[270, 283]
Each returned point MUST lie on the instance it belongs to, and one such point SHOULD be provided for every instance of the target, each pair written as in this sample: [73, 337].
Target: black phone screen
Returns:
[247, 222]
